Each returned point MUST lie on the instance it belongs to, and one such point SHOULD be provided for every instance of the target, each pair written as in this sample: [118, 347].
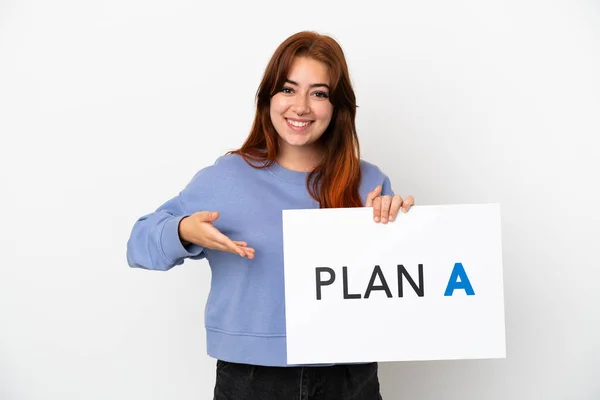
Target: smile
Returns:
[298, 124]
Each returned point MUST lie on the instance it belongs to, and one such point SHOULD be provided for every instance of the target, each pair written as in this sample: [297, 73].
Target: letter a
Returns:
[454, 283]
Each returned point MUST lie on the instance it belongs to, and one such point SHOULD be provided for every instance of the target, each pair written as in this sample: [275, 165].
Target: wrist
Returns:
[181, 231]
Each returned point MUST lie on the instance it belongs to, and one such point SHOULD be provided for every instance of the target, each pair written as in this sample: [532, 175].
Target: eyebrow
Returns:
[314, 85]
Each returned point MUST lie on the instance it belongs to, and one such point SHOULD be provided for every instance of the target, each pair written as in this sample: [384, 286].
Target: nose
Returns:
[301, 105]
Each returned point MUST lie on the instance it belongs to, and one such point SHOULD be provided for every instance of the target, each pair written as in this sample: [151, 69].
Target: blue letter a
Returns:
[454, 283]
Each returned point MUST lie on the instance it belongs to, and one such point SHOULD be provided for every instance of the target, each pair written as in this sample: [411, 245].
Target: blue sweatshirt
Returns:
[245, 311]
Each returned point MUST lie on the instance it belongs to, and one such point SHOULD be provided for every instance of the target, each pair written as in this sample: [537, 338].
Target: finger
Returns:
[408, 203]
[377, 209]
[231, 249]
[247, 251]
[208, 216]
[386, 202]
[250, 253]
[395, 207]
[245, 248]
[372, 195]
[223, 243]
[229, 245]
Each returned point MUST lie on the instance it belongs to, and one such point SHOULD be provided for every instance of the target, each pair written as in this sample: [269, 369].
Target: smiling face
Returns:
[301, 111]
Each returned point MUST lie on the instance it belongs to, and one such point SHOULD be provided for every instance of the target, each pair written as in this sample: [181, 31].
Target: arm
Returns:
[155, 243]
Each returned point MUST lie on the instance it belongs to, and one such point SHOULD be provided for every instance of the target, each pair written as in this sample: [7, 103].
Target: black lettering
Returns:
[346, 294]
[419, 290]
[320, 283]
[383, 286]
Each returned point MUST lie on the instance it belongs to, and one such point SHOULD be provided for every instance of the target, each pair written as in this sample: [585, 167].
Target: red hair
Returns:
[334, 182]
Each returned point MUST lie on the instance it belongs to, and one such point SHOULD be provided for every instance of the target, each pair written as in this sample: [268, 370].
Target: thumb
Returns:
[372, 195]
[208, 216]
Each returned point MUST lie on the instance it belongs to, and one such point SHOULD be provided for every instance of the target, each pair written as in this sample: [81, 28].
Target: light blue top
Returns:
[245, 312]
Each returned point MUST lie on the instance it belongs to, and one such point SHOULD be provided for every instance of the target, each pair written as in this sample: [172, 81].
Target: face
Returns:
[301, 111]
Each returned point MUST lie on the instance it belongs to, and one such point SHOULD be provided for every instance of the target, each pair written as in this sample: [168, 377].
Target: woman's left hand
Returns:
[386, 208]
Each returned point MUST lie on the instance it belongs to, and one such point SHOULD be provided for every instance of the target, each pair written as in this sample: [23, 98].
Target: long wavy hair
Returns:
[334, 182]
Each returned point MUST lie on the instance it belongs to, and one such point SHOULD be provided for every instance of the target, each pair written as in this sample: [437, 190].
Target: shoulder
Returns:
[217, 181]
[371, 171]
[223, 166]
[224, 169]
[371, 177]
[230, 161]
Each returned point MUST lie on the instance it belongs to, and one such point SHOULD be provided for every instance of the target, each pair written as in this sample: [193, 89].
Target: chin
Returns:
[297, 143]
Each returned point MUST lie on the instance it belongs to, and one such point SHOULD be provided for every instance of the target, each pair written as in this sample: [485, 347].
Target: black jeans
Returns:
[337, 382]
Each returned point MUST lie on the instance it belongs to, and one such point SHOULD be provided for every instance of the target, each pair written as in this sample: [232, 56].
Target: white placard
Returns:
[339, 309]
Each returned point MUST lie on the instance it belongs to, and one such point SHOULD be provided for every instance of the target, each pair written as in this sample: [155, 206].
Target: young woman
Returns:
[302, 152]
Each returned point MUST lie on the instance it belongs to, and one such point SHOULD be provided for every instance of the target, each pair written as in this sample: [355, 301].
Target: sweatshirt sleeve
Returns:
[372, 176]
[386, 187]
[154, 242]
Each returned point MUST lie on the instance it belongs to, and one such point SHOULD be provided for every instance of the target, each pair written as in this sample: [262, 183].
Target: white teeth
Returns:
[298, 124]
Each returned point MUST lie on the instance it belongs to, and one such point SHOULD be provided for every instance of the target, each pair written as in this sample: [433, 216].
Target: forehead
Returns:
[307, 71]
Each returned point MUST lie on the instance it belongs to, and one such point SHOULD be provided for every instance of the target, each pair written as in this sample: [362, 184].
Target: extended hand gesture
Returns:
[198, 229]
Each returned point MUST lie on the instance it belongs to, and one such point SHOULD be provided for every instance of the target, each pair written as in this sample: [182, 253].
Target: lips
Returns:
[298, 125]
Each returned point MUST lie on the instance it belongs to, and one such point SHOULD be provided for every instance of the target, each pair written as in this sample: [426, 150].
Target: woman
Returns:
[302, 152]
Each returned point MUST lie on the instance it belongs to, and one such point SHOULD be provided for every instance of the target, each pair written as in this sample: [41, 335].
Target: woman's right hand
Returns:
[198, 229]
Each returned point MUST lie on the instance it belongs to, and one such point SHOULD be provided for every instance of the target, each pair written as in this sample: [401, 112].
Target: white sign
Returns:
[425, 287]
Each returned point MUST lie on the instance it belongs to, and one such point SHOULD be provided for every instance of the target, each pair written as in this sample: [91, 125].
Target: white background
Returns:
[108, 108]
[329, 328]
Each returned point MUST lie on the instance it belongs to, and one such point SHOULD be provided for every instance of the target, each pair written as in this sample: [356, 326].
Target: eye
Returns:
[287, 90]
[322, 95]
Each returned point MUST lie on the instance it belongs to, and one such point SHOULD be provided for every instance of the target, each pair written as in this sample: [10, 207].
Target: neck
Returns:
[301, 159]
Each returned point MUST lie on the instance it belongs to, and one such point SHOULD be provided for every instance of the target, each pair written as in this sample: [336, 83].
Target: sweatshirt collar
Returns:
[287, 174]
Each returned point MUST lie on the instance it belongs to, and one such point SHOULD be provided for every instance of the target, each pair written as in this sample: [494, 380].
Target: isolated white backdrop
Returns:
[108, 108]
